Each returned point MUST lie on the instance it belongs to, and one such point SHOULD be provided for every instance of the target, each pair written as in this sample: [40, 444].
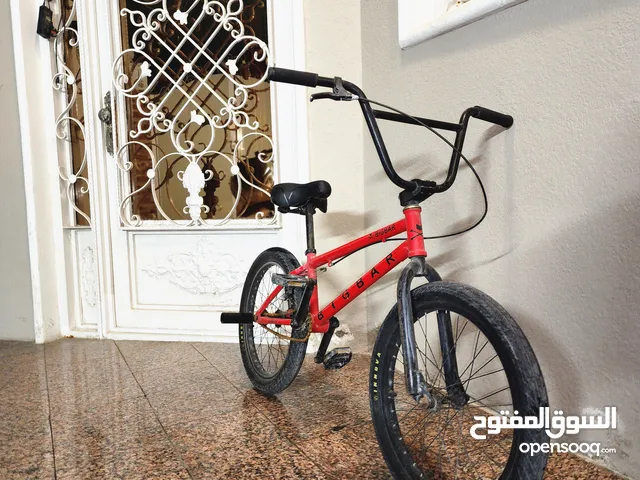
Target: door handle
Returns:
[106, 117]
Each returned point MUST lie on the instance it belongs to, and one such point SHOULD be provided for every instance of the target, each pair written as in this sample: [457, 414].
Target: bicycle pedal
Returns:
[337, 358]
[288, 280]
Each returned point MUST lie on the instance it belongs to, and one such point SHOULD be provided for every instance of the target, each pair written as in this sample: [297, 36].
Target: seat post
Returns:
[309, 210]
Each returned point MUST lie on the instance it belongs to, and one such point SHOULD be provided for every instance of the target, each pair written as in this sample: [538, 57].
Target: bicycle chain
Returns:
[291, 339]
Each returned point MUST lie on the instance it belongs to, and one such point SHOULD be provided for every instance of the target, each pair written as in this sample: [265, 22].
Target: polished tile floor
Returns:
[89, 409]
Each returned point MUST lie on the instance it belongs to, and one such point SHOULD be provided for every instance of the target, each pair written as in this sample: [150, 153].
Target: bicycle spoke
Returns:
[494, 393]
[475, 348]
[440, 368]
[480, 369]
[442, 429]
[443, 446]
[463, 327]
[485, 374]
[475, 357]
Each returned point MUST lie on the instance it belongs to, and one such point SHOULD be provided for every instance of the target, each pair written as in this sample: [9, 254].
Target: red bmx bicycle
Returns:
[454, 351]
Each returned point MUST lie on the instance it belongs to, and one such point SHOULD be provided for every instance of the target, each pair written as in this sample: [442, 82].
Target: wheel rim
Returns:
[269, 351]
[437, 440]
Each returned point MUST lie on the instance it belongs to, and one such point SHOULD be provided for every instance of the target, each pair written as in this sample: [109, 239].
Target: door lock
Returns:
[106, 118]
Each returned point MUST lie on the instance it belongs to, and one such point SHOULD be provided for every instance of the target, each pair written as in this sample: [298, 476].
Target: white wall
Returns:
[16, 308]
[560, 247]
[335, 148]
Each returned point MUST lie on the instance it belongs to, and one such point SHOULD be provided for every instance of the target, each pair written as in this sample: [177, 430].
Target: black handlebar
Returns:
[491, 116]
[414, 190]
[294, 77]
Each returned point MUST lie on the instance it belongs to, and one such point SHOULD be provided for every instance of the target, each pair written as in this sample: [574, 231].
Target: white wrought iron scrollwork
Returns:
[66, 81]
[164, 85]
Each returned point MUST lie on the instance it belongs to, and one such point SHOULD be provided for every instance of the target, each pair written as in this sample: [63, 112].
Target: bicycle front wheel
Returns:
[498, 374]
[270, 361]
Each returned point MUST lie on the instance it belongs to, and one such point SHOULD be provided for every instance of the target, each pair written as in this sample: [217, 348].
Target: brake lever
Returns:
[325, 95]
[339, 93]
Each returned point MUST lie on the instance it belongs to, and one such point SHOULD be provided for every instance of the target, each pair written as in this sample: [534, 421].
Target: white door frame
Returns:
[34, 70]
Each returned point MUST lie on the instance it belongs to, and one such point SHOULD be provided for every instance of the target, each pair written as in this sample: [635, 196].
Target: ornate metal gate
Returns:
[199, 113]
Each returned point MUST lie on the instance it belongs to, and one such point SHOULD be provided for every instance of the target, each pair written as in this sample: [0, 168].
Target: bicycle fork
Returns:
[415, 381]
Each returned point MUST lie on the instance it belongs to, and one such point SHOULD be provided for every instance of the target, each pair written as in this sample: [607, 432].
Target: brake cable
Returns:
[445, 140]
[350, 97]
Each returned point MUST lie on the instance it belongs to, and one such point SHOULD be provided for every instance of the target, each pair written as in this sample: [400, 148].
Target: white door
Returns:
[181, 206]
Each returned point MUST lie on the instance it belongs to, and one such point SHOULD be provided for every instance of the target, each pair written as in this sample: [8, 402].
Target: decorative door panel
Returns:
[179, 281]
[86, 263]
[75, 172]
[196, 271]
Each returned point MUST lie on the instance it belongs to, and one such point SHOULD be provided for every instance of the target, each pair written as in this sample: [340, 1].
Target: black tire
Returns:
[265, 379]
[522, 375]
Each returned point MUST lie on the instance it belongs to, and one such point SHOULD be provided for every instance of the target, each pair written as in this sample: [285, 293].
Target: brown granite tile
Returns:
[315, 401]
[572, 467]
[310, 410]
[218, 351]
[21, 366]
[80, 351]
[25, 398]
[25, 447]
[352, 452]
[23, 378]
[226, 359]
[119, 439]
[141, 355]
[102, 428]
[229, 447]
[353, 376]
[198, 376]
[83, 385]
[10, 347]
[310, 372]
[27, 455]
[185, 405]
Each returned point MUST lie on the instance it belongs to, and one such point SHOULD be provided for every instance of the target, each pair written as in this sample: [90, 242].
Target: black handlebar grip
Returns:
[490, 116]
[295, 77]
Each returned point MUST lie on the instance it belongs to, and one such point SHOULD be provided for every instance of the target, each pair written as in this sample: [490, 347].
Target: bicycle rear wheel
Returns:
[498, 372]
[271, 362]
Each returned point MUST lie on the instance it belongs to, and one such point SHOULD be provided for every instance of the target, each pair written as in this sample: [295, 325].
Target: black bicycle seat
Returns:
[292, 195]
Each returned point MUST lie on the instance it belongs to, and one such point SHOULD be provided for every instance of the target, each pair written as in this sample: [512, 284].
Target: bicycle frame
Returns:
[413, 246]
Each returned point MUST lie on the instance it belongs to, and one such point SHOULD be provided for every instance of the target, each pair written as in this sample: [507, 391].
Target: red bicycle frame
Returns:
[413, 246]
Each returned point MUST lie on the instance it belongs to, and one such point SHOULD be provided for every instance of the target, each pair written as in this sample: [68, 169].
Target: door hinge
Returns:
[106, 118]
